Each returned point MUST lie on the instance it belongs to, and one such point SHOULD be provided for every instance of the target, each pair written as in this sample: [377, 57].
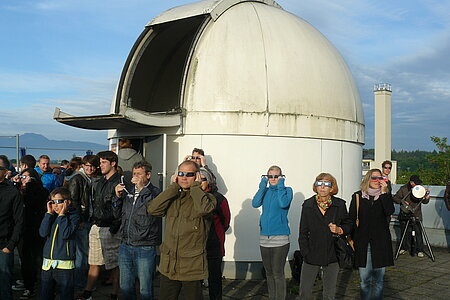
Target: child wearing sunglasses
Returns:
[58, 227]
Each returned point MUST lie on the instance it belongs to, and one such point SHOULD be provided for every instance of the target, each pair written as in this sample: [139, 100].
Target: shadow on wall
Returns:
[219, 180]
[294, 222]
[246, 231]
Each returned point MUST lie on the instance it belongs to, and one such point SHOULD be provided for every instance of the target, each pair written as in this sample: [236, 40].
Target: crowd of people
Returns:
[102, 211]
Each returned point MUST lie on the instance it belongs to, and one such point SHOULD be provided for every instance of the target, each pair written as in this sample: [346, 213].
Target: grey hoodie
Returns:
[127, 158]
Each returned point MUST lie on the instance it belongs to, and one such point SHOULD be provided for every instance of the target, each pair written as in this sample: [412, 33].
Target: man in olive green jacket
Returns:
[188, 211]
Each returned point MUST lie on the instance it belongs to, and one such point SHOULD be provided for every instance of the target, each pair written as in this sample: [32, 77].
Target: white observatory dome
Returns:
[254, 86]
[260, 70]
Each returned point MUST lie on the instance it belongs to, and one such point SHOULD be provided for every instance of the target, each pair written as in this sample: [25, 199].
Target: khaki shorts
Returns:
[110, 246]
[95, 248]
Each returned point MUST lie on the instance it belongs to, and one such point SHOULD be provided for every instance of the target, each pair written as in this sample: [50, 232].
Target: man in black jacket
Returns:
[103, 238]
[140, 231]
[11, 220]
[405, 198]
[80, 187]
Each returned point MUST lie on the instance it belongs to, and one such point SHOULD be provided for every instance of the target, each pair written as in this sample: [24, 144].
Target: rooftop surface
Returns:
[410, 278]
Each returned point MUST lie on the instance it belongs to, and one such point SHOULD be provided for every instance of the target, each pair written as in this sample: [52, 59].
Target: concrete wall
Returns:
[239, 162]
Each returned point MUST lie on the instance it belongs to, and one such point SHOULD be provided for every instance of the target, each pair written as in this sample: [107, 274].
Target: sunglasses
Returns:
[3, 168]
[57, 201]
[387, 168]
[323, 183]
[272, 176]
[204, 179]
[196, 157]
[187, 174]
[378, 178]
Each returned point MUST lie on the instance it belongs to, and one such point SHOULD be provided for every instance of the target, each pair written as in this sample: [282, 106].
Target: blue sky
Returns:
[69, 54]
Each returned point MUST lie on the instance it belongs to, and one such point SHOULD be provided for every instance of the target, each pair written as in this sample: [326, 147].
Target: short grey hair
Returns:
[143, 164]
[208, 175]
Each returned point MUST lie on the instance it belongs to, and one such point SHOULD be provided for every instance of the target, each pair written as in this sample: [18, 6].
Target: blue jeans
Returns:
[62, 278]
[6, 269]
[137, 263]
[81, 256]
[371, 279]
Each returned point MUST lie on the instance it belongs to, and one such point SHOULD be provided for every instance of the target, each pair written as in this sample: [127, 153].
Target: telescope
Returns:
[418, 192]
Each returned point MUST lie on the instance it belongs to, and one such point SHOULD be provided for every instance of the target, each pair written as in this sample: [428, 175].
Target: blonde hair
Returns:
[327, 177]
[275, 168]
[364, 186]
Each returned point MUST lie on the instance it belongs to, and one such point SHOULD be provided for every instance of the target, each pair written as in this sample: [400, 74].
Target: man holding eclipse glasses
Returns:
[188, 218]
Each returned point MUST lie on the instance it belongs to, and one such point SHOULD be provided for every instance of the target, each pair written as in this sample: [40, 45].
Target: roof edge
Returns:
[215, 8]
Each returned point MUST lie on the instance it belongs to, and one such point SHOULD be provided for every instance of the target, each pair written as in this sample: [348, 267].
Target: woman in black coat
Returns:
[35, 198]
[324, 216]
[373, 243]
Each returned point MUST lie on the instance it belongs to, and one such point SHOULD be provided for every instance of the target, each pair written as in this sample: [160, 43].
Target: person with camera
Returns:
[140, 232]
[11, 222]
[188, 211]
[30, 246]
[369, 209]
[324, 217]
[410, 209]
[275, 200]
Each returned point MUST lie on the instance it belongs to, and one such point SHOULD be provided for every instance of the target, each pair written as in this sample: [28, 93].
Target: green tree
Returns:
[440, 160]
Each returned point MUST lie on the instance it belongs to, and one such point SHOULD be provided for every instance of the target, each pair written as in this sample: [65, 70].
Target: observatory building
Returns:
[254, 86]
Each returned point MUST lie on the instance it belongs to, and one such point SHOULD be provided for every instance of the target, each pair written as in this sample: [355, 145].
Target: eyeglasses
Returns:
[187, 174]
[378, 178]
[272, 176]
[387, 168]
[57, 201]
[204, 179]
[323, 183]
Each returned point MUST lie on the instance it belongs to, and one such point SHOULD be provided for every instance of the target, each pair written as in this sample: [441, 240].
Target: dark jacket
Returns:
[11, 216]
[405, 193]
[315, 238]
[215, 246]
[104, 192]
[59, 232]
[138, 227]
[35, 198]
[374, 229]
[80, 187]
[188, 220]
[447, 196]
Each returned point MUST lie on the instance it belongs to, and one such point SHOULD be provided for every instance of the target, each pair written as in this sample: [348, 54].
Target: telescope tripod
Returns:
[411, 222]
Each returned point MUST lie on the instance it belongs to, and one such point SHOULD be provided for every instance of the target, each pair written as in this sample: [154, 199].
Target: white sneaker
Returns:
[402, 252]
[18, 286]
[420, 254]
[27, 294]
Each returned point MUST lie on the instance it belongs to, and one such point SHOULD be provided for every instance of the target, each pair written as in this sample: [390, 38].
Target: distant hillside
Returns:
[32, 140]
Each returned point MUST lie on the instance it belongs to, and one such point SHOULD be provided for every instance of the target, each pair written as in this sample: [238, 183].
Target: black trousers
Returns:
[170, 289]
[406, 245]
[30, 253]
[215, 278]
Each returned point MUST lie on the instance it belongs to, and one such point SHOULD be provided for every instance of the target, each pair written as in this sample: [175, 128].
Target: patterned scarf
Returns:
[323, 203]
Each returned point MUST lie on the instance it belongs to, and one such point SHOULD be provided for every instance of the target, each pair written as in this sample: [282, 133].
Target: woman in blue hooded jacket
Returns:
[275, 200]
